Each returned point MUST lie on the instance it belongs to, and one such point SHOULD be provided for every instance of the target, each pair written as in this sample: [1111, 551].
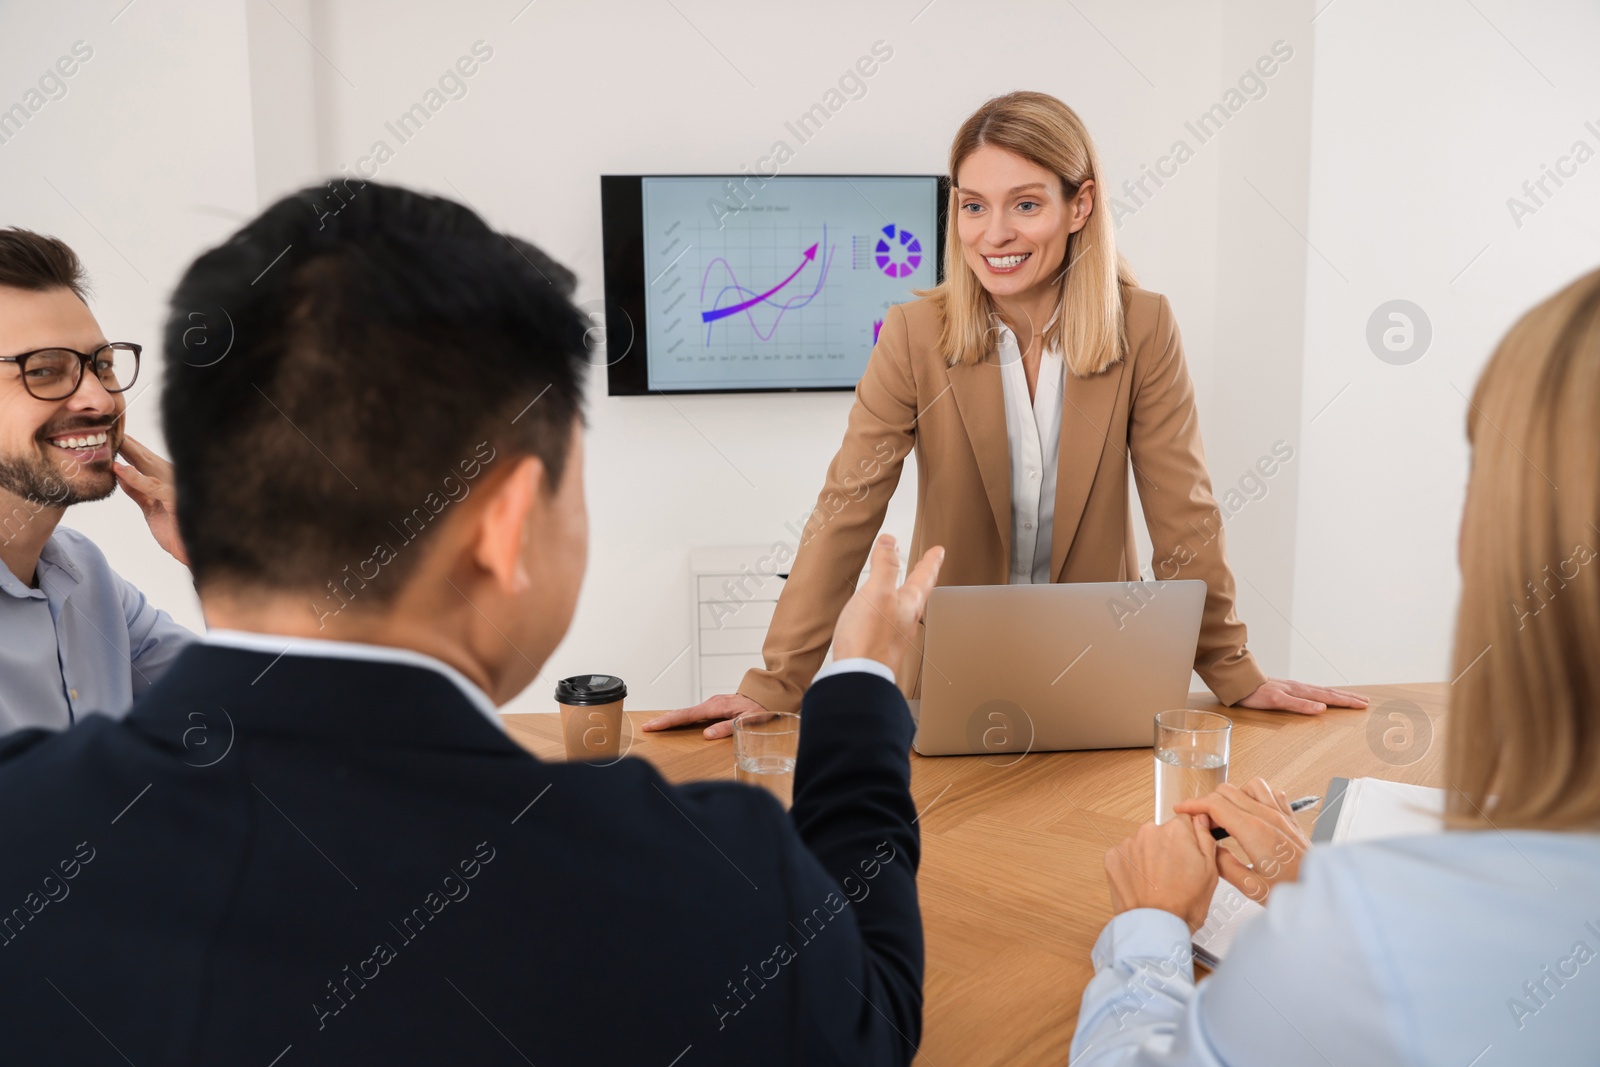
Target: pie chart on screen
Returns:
[898, 252]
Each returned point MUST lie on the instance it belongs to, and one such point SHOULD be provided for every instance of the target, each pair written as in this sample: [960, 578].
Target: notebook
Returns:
[1354, 809]
[1367, 809]
[1230, 910]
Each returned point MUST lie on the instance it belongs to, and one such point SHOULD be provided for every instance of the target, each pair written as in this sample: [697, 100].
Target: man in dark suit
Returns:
[311, 841]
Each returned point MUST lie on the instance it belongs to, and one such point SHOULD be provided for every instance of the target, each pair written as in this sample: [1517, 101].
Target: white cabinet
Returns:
[735, 591]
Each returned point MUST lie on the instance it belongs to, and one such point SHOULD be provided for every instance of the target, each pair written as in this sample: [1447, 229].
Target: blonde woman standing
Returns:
[1028, 382]
[1478, 945]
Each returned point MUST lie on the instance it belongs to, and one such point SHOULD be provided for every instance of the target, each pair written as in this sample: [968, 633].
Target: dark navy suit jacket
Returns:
[320, 861]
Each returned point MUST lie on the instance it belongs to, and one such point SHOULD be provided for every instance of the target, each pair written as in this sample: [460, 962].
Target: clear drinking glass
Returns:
[765, 744]
[1191, 756]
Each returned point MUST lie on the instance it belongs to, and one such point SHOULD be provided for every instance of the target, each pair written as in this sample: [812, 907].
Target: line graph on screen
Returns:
[734, 298]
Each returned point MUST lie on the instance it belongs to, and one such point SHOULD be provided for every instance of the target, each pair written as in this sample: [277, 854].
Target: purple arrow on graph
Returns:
[722, 313]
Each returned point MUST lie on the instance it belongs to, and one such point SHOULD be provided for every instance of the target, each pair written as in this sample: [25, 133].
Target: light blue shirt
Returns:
[83, 641]
[1460, 949]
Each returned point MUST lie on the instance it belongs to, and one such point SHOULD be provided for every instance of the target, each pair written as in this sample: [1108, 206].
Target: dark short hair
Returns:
[38, 263]
[343, 370]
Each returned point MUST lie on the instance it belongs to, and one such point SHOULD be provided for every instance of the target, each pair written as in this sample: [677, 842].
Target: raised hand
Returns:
[878, 621]
[147, 479]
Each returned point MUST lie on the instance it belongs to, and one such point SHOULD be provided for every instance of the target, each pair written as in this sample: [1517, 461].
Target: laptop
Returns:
[1049, 668]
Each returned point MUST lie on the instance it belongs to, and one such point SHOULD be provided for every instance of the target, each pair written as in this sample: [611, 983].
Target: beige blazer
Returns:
[1140, 410]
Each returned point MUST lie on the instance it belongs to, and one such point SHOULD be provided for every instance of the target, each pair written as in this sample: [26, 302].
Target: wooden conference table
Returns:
[1012, 879]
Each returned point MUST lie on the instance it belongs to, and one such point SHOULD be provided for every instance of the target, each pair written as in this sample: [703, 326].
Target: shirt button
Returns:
[1033, 474]
[74, 694]
[1027, 526]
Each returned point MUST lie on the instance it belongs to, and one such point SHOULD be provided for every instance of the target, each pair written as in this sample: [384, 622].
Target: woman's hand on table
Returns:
[1280, 694]
[721, 710]
[1258, 817]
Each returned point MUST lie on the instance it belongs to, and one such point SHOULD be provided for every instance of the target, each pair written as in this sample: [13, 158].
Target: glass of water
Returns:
[1191, 756]
[765, 744]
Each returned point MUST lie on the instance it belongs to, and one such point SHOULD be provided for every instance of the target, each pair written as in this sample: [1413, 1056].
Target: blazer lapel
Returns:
[1087, 405]
[981, 401]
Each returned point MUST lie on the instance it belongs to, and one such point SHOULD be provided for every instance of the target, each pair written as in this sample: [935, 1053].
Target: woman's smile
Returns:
[1006, 264]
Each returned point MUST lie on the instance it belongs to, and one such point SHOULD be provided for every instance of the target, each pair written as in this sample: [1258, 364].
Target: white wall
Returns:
[1249, 182]
[1389, 141]
[1426, 118]
[572, 93]
[146, 160]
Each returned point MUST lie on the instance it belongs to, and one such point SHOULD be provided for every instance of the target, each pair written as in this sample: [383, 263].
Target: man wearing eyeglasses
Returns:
[75, 637]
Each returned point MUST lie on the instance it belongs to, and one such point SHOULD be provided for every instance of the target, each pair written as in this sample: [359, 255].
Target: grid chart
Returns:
[779, 286]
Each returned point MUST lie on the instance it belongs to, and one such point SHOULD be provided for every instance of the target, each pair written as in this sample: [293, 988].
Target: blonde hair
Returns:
[1088, 326]
[1523, 747]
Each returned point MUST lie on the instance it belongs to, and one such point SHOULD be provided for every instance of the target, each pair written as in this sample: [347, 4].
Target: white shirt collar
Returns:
[1006, 331]
[280, 645]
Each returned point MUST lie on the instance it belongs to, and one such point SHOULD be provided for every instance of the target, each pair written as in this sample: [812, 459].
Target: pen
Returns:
[1300, 804]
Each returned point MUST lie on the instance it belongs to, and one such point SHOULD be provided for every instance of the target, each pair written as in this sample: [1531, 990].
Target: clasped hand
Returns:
[1175, 866]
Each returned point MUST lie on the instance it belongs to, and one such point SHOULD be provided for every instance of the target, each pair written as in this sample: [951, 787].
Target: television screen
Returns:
[739, 283]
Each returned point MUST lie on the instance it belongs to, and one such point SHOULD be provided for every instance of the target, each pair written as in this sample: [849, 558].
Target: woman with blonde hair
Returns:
[1477, 945]
[1027, 382]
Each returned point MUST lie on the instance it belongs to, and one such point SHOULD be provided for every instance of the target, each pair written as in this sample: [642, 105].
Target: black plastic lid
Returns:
[585, 690]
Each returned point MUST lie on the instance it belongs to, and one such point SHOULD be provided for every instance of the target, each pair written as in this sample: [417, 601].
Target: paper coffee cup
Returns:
[591, 715]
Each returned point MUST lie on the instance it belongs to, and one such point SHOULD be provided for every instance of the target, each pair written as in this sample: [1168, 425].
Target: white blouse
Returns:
[1033, 438]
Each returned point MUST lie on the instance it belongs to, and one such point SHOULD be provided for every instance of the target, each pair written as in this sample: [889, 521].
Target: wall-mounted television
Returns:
[740, 284]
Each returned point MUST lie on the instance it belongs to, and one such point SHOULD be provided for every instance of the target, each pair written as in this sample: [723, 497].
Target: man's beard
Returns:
[38, 481]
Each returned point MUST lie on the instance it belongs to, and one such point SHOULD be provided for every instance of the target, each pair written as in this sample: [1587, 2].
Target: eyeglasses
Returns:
[56, 373]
